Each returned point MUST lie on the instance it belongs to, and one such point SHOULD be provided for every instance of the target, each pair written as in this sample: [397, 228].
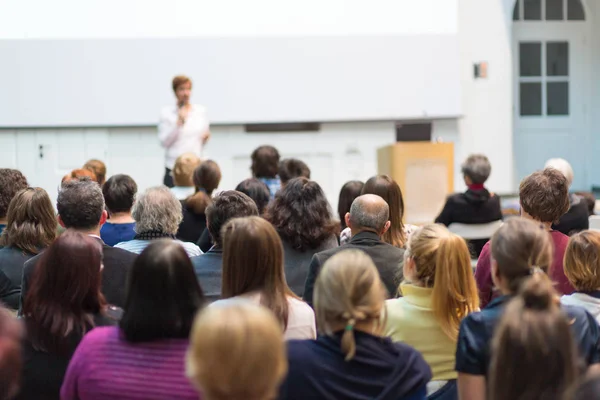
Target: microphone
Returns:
[181, 105]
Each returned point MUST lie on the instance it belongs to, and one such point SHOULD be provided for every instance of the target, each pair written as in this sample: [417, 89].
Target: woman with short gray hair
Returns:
[157, 214]
[475, 206]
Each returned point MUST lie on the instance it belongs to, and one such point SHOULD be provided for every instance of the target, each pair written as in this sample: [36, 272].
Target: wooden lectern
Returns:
[425, 173]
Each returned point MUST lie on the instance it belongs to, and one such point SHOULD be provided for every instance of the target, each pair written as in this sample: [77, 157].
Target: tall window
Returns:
[548, 10]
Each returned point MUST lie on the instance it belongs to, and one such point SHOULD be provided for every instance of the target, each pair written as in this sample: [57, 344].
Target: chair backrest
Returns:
[475, 231]
[595, 222]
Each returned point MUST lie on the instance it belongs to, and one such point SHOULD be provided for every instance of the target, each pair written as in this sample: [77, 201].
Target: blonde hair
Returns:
[183, 171]
[582, 261]
[443, 263]
[348, 290]
[236, 352]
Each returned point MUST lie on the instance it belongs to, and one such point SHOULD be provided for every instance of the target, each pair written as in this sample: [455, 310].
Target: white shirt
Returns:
[590, 303]
[183, 192]
[182, 139]
[137, 246]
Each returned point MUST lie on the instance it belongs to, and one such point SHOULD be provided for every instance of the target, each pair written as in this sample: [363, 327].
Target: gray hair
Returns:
[369, 211]
[80, 204]
[477, 167]
[157, 209]
[562, 166]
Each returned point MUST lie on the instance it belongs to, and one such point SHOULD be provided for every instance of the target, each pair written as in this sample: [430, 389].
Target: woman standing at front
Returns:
[183, 127]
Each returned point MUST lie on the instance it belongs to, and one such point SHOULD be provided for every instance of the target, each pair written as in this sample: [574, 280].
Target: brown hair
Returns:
[386, 188]
[533, 351]
[206, 178]
[236, 352]
[545, 195]
[183, 170]
[31, 221]
[98, 168]
[443, 262]
[518, 247]
[79, 174]
[180, 80]
[348, 290]
[11, 182]
[253, 262]
[11, 359]
[582, 261]
[291, 168]
[265, 162]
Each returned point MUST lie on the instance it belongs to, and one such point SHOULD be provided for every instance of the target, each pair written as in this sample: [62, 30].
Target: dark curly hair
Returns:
[11, 182]
[301, 214]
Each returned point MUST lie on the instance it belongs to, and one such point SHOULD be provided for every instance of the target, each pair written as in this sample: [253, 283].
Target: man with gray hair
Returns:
[368, 220]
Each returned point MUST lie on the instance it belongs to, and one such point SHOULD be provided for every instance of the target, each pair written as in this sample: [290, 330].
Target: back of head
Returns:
[369, 212]
[157, 210]
[98, 168]
[257, 190]
[207, 176]
[519, 248]
[31, 224]
[582, 261]
[533, 351]
[163, 294]
[236, 352]
[78, 175]
[11, 360]
[563, 166]
[253, 262]
[348, 291]
[265, 162]
[183, 171]
[477, 168]
[226, 206]
[442, 261]
[119, 193]
[291, 168]
[11, 182]
[301, 214]
[386, 188]
[80, 204]
[350, 191]
[544, 195]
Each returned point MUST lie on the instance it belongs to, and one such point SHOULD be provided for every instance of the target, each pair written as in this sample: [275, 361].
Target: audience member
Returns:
[519, 249]
[590, 201]
[533, 351]
[79, 174]
[291, 168]
[438, 292]
[11, 358]
[144, 356]
[31, 227]
[475, 206]
[577, 217]
[157, 215]
[544, 198]
[206, 179]
[303, 219]
[350, 359]
[63, 303]
[236, 352]
[265, 166]
[253, 269]
[350, 191]
[368, 220]
[386, 188]
[98, 168]
[582, 268]
[183, 175]
[257, 191]
[208, 266]
[119, 195]
[11, 182]
[80, 207]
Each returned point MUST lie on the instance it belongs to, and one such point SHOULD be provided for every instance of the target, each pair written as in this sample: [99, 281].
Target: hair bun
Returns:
[537, 293]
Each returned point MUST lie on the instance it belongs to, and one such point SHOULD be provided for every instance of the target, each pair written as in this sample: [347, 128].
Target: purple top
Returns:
[106, 366]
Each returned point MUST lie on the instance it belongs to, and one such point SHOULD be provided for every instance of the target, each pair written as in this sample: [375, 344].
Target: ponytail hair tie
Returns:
[535, 270]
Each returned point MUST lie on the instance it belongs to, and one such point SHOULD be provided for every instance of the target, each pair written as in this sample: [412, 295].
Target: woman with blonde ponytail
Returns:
[350, 359]
[438, 292]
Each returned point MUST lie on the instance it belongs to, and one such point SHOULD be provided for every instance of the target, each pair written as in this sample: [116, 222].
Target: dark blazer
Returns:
[387, 258]
[209, 271]
[205, 242]
[117, 263]
[576, 219]
[192, 225]
[297, 263]
[12, 260]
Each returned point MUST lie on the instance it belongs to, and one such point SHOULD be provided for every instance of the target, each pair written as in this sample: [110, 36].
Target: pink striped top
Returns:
[106, 366]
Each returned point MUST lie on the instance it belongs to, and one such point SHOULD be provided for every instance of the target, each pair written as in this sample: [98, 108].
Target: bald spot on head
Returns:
[369, 212]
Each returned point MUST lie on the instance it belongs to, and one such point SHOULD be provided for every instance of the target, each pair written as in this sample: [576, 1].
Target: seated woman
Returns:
[577, 217]
[257, 190]
[144, 356]
[350, 359]
[183, 173]
[119, 196]
[475, 206]
[62, 304]
[206, 179]
[534, 355]
[519, 249]
[236, 342]
[301, 216]
[350, 191]
[438, 292]
[253, 269]
[98, 168]
[31, 227]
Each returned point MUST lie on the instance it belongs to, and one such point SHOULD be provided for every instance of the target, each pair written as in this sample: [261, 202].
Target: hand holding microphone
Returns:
[182, 114]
